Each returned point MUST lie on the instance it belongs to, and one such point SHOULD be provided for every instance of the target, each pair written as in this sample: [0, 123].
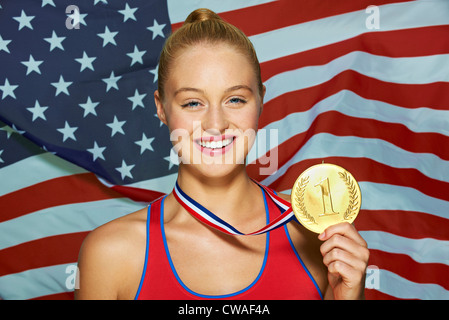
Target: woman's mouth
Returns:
[215, 145]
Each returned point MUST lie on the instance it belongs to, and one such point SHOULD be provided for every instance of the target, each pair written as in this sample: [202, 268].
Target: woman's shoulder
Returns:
[110, 252]
[119, 232]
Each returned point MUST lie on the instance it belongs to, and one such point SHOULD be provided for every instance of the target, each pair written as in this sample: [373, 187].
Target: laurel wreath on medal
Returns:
[353, 198]
[299, 195]
[353, 202]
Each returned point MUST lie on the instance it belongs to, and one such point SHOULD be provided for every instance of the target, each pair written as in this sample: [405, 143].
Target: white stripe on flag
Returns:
[349, 103]
[425, 250]
[401, 198]
[35, 169]
[324, 145]
[37, 282]
[408, 70]
[398, 198]
[162, 184]
[305, 36]
[396, 286]
[179, 10]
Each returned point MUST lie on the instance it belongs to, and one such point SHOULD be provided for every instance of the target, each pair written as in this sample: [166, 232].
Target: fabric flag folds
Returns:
[361, 84]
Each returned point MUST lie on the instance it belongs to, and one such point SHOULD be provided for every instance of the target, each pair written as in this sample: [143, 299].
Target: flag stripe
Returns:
[395, 43]
[375, 294]
[58, 220]
[336, 123]
[412, 199]
[83, 187]
[347, 102]
[394, 285]
[416, 99]
[273, 14]
[57, 296]
[285, 13]
[36, 282]
[317, 33]
[410, 269]
[409, 224]
[44, 166]
[178, 11]
[65, 249]
[322, 145]
[362, 169]
[407, 70]
[425, 250]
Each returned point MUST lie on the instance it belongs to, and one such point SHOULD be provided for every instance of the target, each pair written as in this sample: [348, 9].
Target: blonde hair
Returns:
[205, 26]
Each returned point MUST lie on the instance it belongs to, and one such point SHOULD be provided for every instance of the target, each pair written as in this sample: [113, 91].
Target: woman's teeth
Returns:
[216, 144]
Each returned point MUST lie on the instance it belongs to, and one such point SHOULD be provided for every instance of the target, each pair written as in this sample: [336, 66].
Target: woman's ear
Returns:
[160, 108]
[264, 90]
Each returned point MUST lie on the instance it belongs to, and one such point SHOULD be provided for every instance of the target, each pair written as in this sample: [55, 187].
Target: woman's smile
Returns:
[215, 145]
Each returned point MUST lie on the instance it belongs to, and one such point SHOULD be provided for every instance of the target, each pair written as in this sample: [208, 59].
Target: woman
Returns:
[210, 94]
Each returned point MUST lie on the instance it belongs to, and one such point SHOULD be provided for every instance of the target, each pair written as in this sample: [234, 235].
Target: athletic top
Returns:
[283, 275]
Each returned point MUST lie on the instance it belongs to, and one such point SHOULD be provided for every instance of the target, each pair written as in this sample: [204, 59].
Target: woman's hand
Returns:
[345, 254]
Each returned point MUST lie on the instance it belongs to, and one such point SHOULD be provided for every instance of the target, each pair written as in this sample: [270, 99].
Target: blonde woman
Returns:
[210, 93]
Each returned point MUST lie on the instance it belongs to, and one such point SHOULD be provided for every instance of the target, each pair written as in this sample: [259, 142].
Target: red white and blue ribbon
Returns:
[210, 219]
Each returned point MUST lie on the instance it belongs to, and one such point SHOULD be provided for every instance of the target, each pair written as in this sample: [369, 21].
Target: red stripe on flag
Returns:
[406, 95]
[394, 44]
[362, 169]
[57, 296]
[42, 252]
[75, 188]
[372, 294]
[408, 224]
[283, 13]
[404, 266]
[138, 194]
[341, 125]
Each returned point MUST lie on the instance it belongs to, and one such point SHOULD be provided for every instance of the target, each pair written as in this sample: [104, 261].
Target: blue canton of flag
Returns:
[78, 80]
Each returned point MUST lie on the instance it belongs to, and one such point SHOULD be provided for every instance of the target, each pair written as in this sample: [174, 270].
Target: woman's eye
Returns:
[236, 100]
[191, 104]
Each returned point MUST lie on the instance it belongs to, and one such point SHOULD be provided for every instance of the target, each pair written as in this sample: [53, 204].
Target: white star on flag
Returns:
[116, 126]
[125, 170]
[38, 111]
[145, 143]
[97, 152]
[68, 132]
[61, 86]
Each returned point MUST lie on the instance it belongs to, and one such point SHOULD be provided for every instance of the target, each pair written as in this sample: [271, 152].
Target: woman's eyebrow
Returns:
[233, 88]
[238, 87]
[184, 89]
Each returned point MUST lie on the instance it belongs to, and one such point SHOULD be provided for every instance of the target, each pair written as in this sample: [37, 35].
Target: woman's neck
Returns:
[226, 196]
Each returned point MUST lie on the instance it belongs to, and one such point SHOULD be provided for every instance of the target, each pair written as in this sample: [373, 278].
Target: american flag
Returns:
[361, 84]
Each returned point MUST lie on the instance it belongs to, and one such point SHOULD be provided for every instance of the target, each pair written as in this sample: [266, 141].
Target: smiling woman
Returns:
[219, 101]
[210, 96]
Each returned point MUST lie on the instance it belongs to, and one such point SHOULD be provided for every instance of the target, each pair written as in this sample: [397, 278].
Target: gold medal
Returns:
[323, 195]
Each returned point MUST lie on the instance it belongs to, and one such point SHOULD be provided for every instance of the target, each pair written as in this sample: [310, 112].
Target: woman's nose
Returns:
[215, 119]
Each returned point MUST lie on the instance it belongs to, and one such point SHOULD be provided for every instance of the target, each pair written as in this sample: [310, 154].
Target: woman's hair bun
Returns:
[201, 14]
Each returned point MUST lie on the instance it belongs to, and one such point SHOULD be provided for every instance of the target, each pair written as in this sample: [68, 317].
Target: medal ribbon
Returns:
[210, 219]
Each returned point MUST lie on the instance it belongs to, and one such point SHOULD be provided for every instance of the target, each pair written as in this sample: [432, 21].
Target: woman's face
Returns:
[211, 107]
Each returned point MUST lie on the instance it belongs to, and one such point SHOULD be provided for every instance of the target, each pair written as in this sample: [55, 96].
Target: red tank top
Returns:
[283, 275]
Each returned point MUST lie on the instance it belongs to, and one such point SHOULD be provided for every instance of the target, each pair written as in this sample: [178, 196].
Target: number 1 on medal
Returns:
[326, 197]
